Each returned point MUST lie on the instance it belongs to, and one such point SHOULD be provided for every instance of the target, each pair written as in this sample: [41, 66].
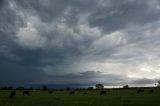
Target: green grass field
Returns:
[62, 98]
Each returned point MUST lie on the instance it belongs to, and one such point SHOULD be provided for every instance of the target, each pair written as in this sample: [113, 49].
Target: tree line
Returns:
[45, 88]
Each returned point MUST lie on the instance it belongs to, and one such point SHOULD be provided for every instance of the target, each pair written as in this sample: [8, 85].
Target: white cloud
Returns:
[29, 36]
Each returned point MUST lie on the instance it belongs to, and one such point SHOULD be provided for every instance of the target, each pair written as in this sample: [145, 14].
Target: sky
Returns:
[79, 42]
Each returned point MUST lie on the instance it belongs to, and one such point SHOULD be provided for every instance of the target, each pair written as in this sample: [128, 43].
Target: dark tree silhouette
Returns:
[30, 88]
[125, 86]
[158, 84]
[20, 88]
[6, 88]
[68, 89]
[44, 88]
[90, 88]
[99, 86]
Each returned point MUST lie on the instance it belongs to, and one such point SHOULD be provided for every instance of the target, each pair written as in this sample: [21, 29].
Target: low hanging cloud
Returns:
[58, 41]
[84, 78]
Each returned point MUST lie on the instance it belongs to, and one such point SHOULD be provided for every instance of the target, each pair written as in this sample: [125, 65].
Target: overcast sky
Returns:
[79, 42]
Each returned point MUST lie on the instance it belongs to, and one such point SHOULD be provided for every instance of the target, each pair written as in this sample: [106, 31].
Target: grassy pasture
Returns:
[114, 97]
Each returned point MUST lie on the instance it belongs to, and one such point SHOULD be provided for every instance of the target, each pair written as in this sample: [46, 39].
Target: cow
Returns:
[26, 93]
[71, 92]
[151, 91]
[140, 90]
[103, 93]
[12, 94]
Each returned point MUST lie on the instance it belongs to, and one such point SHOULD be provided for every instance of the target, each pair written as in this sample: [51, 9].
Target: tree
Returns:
[158, 84]
[125, 86]
[20, 88]
[68, 89]
[30, 88]
[44, 88]
[99, 86]
[6, 88]
[90, 88]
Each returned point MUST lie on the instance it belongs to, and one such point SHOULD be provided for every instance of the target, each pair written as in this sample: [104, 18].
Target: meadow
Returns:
[114, 97]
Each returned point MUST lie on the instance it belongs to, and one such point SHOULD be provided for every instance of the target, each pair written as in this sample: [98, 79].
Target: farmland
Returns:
[114, 97]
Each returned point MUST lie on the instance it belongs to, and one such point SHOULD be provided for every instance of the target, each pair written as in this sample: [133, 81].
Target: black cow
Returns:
[71, 92]
[26, 93]
[103, 93]
[12, 94]
[140, 90]
[151, 91]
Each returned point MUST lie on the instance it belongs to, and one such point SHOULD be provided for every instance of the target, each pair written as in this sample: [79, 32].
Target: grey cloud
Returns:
[144, 81]
[7, 53]
[124, 14]
[51, 10]
[58, 37]
[87, 78]
[16, 74]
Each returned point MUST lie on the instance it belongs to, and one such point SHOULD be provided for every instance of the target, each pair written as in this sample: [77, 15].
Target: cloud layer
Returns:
[79, 42]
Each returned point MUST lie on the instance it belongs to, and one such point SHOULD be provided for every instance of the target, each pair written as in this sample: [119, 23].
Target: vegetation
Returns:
[158, 84]
[113, 97]
[99, 86]
[125, 86]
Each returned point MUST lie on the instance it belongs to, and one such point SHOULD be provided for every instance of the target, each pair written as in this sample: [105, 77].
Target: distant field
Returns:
[62, 98]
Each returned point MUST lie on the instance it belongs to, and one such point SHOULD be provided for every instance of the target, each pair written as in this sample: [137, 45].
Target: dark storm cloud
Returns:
[84, 79]
[122, 14]
[52, 9]
[16, 74]
[58, 40]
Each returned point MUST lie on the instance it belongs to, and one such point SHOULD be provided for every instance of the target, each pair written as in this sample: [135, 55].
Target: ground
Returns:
[117, 97]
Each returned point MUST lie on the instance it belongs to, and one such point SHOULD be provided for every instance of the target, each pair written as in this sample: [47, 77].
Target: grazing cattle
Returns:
[12, 94]
[140, 90]
[103, 93]
[26, 93]
[151, 91]
[71, 92]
